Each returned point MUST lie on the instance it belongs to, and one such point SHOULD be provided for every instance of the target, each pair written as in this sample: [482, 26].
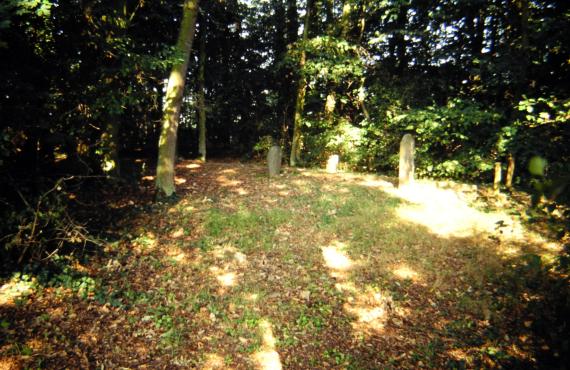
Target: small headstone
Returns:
[274, 160]
[332, 163]
[406, 168]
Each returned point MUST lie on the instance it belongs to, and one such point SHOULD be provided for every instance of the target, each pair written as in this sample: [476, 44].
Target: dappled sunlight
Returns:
[369, 307]
[229, 171]
[214, 361]
[336, 258]
[226, 279]
[241, 191]
[510, 251]
[267, 357]
[193, 166]
[346, 287]
[226, 182]
[240, 258]
[371, 310]
[252, 297]
[443, 212]
[148, 178]
[404, 272]
[179, 180]
[446, 213]
[178, 233]
[13, 290]
[145, 242]
[177, 254]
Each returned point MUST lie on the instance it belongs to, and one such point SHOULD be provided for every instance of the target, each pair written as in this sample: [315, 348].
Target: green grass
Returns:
[457, 296]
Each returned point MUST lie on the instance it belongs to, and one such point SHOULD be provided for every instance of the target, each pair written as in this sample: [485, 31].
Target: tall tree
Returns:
[171, 111]
[202, 94]
[301, 89]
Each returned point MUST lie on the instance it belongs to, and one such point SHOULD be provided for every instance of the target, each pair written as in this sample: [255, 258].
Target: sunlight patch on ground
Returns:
[226, 182]
[9, 363]
[336, 258]
[267, 357]
[445, 208]
[214, 361]
[252, 297]
[241, 191]
[193, 166]
[179, 180]
[148, 178]
[14, 289]
[224, 278]
[145, 242]
[510, 251]
[177, 233]
[177, 254]
[404, 272]
[447, 212]
[240, 258]
[229, 171]
[346, 286]
[369, 307]
[371, 310]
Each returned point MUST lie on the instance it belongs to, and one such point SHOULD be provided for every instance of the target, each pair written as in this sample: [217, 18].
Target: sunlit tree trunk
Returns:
[345, 19]
[202, 98]
[171, 111]
[300, 102]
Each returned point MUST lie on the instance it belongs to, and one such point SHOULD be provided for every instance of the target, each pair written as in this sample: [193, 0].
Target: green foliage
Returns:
[453, 141]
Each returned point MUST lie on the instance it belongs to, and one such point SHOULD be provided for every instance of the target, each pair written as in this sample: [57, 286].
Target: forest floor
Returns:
[309, 270]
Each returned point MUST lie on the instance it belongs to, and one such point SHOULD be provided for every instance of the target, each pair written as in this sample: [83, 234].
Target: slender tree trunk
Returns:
[510, 171]
[171, 111]
[300, 102]
[345, 19]
[202, 98]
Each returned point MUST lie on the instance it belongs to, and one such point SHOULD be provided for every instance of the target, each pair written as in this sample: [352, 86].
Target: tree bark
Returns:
[171, 111]
[510, 171]
[202, 98]
[300, 102]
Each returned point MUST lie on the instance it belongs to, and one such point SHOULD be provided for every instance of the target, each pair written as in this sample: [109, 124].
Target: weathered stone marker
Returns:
[332, 163]
[274, 160]
[406, 168]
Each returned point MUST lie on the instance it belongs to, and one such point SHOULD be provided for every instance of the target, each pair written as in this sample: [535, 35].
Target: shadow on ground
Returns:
[310, 270]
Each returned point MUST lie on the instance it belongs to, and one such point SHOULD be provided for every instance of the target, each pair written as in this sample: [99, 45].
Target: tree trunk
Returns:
[345, 19]
[497, 177]
[300, 102]
[202, 98]
[510, 171]
[171, 111]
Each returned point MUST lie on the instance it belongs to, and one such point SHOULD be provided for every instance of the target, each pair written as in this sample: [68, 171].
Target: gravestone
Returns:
[406, 167]
[274, 160]
[332, 163]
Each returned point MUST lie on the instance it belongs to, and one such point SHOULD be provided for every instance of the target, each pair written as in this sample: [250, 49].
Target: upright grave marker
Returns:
[406, 168]
[332, 163]
[274, 160]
